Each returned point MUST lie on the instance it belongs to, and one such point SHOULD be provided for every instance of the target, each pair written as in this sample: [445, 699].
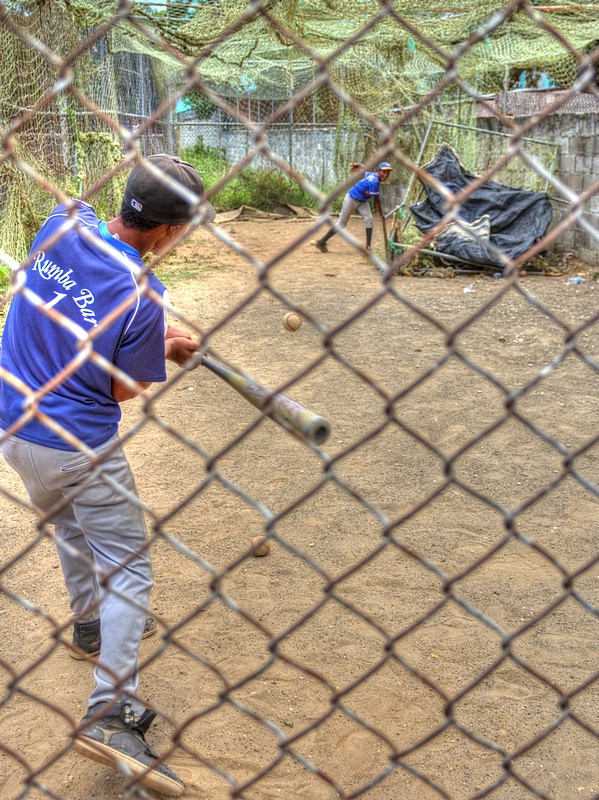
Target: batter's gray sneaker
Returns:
[118, 740]
[322, 246]
[86, 638]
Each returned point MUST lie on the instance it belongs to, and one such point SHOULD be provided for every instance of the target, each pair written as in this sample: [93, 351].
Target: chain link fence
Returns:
[424, 623]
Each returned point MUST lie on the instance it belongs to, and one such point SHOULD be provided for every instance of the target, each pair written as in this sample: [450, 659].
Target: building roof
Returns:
[527, 102]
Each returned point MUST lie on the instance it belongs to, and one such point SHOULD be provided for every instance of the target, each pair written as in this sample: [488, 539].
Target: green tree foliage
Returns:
[200, 105]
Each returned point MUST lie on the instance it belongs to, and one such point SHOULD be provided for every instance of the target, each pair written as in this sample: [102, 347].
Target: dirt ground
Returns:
[425, 624]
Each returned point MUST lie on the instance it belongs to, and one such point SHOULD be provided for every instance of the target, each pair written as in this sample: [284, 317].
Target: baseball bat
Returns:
[281, 409]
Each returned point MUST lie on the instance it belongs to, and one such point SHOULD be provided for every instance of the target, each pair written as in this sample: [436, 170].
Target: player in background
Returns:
[85, 269]
[357, 199]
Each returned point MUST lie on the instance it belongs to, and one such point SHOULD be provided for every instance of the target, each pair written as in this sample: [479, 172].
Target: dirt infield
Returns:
[400, 629]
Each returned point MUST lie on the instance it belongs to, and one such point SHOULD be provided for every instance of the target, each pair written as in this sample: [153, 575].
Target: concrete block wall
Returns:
[578, 137]
[578, 168]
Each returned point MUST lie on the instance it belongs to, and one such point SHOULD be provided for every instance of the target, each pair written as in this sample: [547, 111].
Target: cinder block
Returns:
[574, 182]
[567, 165]
[588, 179]
[576, 145]
[558, 212]
[582, 164]
[593, 243]
[562, 141]
[590, 256]
[593, 204]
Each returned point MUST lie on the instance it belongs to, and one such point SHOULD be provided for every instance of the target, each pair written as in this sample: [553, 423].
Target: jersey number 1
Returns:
[57, 299]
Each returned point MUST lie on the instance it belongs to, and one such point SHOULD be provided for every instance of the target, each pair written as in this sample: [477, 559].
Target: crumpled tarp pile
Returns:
[510, 219]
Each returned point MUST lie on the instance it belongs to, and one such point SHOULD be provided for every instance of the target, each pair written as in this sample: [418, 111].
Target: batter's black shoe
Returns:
[86, 638]
[118, 740]
[320, 246]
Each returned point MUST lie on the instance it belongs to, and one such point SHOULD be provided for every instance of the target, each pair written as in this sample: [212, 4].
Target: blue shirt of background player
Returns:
[366, 188]
[84, 284]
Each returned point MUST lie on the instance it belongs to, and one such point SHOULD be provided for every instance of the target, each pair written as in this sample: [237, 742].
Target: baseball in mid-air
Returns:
[261, 545]
[292, 321]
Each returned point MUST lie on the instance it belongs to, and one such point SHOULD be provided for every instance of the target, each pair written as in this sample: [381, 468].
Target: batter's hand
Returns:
[175, 333]
[179, 349]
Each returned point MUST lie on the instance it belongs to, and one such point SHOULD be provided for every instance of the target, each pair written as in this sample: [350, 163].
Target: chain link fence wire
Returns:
[425, 623]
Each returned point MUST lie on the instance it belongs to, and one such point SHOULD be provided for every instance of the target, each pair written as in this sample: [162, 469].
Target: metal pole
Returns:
[247, 130]
[413, 176]
[493, 133]
[291, 137]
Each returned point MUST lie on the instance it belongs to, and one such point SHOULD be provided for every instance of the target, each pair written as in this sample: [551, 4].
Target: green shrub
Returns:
[263, 188]
[4, 281]
[209, 161]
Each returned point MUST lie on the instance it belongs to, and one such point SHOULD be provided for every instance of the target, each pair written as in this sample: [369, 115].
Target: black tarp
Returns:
[511, 219]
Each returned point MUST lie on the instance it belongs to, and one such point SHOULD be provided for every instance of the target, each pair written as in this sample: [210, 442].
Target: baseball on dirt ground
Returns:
[292, 321]
[261, 545]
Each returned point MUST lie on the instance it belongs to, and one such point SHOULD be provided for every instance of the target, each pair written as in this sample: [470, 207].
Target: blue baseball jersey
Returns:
[366, 188]
[84, 283]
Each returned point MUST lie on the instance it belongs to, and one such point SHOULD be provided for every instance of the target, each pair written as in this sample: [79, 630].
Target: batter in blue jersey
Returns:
[85, 321]
[85, 283]
[358, 199]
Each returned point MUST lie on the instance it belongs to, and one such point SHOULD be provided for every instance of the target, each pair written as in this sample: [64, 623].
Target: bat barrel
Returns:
[281, 409]
[319, 430]
[292, 415]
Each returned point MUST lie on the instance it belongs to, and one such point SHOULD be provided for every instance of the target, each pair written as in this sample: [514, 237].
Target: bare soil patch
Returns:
[472, 618]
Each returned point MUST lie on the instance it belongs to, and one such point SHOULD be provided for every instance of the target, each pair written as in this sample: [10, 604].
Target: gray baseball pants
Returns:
[349, 206]
[100, 536]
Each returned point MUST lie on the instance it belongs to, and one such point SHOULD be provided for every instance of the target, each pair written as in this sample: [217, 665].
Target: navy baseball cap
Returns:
[385, 165]
[159, 200]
